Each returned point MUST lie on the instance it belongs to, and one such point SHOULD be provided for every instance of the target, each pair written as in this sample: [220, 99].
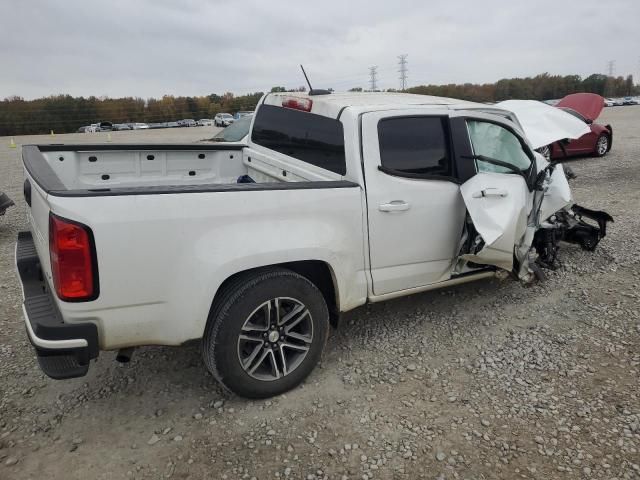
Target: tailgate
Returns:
[38, 218]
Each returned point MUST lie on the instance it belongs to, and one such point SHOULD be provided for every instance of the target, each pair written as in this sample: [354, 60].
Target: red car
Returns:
[586, 107]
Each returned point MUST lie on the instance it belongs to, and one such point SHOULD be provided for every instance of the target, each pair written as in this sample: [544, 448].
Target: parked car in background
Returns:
[238, 131]
[223, 120]
[609, 102]
[173, 124]
[97, 127]
[205, 122]
[586, 107]
[243, 113]
[139, 126]
[157, 125]
[189, 122]
[629, 101]
[121, 126]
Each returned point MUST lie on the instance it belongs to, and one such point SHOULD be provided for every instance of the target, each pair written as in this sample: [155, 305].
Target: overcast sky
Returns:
[148, 48]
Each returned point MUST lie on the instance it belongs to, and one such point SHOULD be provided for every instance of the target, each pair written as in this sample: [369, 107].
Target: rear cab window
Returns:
[305, 136]
[415, 147]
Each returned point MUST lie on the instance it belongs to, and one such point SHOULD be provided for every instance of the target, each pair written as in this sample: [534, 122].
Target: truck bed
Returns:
[74, 170]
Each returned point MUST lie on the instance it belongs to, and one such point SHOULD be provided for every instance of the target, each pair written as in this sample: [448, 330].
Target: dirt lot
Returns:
[487, 380]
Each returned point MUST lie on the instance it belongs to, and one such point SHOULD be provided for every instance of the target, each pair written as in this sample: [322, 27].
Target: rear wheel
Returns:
[602, 145]
[265, 333]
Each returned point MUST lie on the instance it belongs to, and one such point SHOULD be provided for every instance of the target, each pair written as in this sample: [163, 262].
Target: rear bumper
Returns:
[63, 349]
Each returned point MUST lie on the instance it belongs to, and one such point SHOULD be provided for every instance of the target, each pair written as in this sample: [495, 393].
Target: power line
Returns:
[402, 61]
[611, 64]
[373, 80]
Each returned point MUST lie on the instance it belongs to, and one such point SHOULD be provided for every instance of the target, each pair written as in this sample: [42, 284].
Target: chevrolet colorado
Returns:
[255, 249]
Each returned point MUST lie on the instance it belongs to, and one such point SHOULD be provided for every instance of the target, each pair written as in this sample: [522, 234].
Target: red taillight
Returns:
[296, 103]
[72, 260]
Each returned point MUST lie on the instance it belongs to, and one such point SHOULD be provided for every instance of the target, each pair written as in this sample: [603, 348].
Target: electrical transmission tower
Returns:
[611, 65]
[373, 77]
[402, 62]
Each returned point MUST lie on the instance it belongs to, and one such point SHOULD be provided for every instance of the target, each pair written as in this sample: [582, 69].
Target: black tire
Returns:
[602, 139]
[235, 305]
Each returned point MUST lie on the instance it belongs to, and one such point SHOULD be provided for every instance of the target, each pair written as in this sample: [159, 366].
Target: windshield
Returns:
[574, 113]
[235, 132]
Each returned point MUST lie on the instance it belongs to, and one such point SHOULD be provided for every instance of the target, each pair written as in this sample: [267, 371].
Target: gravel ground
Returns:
[486, 380]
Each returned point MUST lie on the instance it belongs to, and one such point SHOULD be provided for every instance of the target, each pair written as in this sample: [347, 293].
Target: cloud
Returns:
[153, 47]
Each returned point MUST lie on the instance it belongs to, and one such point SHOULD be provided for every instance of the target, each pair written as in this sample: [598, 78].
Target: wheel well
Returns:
[317, 272]
[609, 133]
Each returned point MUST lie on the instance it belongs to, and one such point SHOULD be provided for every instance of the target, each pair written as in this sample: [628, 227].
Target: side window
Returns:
[414, 146]
[496, 142]
[308, 137]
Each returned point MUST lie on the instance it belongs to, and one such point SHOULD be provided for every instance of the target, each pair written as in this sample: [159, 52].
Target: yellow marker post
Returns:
[108, 137]
[12, 143]
[53, 134]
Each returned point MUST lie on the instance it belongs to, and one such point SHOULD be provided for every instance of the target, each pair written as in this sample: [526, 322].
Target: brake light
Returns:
[73, 260]
[296, 103]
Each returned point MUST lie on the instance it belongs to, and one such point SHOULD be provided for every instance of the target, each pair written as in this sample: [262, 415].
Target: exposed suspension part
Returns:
[570, 226]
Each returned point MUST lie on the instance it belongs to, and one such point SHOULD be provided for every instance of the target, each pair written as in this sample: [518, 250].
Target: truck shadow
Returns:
[401, 322]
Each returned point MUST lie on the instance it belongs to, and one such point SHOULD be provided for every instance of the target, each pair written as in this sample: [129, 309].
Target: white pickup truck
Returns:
[337, 200]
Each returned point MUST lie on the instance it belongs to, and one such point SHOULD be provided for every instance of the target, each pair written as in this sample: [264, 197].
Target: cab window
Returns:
[414, 146]
[493, 141]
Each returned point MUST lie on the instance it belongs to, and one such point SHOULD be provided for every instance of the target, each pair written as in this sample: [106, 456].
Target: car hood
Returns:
[544, 124]
[589, 105]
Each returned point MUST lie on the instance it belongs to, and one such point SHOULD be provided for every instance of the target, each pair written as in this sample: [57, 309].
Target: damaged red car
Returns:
[586, 107]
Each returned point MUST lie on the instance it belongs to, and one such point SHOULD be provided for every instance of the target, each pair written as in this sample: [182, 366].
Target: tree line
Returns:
[64, 113]
[540, 87]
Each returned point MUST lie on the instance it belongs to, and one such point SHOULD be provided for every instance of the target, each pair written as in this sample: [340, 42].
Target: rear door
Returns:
[415, 210]
[497, 197]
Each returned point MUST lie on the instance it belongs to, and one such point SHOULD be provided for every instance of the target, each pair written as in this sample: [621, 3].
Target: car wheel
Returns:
[265, 333]
[602, 145]
[545, 152]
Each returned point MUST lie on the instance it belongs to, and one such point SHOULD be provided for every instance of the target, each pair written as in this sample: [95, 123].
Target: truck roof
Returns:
[332, 104]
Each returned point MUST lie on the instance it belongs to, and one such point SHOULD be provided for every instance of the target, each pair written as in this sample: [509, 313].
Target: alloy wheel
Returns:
[275, 338]
[603, 144]
[545, 152]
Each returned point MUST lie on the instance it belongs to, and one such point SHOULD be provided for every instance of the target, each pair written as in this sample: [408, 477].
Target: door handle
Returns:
[490, 192]
[394, 206]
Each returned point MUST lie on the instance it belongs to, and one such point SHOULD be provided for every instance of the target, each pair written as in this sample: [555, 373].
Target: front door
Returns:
[415, 210]
[498, 198]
